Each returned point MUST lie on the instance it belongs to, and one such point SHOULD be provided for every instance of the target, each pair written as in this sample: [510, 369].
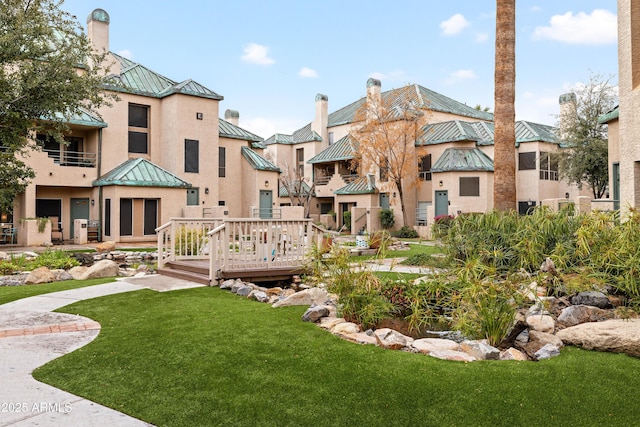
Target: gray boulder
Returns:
[596, 299]
[259, 296]
[577, 314]
[480, 350]
[547, 352]
[313, 314]
[306, 297]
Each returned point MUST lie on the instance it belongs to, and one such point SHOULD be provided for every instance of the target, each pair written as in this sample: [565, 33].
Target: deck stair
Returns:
[187, 270]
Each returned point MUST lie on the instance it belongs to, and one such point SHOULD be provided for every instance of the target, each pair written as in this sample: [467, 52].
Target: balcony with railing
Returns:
[81, 159]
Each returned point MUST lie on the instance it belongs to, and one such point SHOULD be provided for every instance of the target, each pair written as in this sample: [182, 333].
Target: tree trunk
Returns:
[504, 161]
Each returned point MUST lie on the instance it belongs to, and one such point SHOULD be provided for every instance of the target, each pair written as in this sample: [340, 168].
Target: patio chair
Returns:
[9, 235]
[56, 230]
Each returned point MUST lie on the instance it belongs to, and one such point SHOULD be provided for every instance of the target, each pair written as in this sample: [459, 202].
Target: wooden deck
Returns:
[208, 250]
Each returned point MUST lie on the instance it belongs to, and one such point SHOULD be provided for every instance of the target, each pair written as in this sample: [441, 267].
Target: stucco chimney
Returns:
[232, 116]
[568, 111]
[373, 95]
[98, 30]
[321, 119]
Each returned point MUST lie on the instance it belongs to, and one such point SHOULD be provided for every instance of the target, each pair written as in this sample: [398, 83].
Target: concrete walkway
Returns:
[31, 336]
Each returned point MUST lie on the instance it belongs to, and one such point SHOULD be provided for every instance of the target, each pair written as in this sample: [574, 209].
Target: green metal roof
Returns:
[257, 161]
[419, 96]
[361, 185]
[82, 118]
[140, 173]
[283, 192]
[343, 149]
[137, 79]
[482, 132]
[304, 134]
[229, 130]
[609, 115]
[463, 159]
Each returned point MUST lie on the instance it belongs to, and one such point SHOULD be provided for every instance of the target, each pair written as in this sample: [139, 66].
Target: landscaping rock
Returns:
[428, 345]
[4, 256]
[313, 314]
[540, 339]
[453, 355]
[547, 352]
[106, 246]
[480, 350]
[274, 291]
[100, 269]
[360, 338]
[577, 314]
[306, 297]
[40, 275]
[329, 322]
[259, 296]
[513, 354]
[596, 299]
[390, 339]
[227, 284]
[616, 335]
[61, 275]
[541, 322]
[242, 290]
[346, 328]
[78, 272]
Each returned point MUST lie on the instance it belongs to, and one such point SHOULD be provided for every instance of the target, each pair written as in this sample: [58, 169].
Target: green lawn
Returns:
[414, 248]
[206, 357]
[12, 293]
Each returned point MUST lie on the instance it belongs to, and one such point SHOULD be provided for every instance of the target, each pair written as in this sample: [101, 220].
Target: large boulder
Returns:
[313, 314]
[40, 275]
[390, 339]
[453, 355]
[541, 322]
[577, 314]
[513, 354]
[616, 335]
[428, 345]
[480, 350]
[107, 246]
[104, 268]
[306, 297]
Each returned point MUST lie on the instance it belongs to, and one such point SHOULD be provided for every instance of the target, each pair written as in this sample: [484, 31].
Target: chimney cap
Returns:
[568, 97]
[100, 15]
[321, 97]
[231, 114]
[373, 82]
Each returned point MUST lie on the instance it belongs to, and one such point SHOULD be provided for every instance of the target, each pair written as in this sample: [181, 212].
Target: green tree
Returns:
[48, 74]
[585, 161]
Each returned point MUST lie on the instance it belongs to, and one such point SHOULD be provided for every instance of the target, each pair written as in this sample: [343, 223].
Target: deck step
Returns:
[185, 275]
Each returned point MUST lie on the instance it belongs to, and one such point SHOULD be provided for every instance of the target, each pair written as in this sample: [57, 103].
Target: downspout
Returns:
[100, 187]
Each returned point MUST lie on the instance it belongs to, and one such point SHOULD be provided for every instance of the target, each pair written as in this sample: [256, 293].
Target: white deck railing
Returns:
[238, 244]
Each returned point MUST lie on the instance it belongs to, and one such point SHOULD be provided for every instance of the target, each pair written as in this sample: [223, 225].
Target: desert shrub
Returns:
[406, 232]
[387, 219]
[53, 260]
[7, 268]
[441, 225]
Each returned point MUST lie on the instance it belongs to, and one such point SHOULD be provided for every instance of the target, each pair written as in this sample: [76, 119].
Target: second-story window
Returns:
[300, 162]
[138, 129]
[191, 156]
[424, 168]
[548, 167]
[222, 162]
[384, 169]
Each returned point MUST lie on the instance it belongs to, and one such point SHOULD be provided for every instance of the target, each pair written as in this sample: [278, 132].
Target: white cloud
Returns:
[393, 76]
[481, 37]
[125, 53]
[266, 127]
[454, 25]
[459, 75]
[307, 72]
[257, 54]
[599, 27]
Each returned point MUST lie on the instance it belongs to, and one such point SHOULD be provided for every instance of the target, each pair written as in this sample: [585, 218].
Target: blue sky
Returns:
[269, 59]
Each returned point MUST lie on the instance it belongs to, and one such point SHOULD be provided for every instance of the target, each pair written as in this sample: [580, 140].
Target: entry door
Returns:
[616, 185]
[79, 210]
[384, 201]
[150, 216]
[266, 203]
[442, 203]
